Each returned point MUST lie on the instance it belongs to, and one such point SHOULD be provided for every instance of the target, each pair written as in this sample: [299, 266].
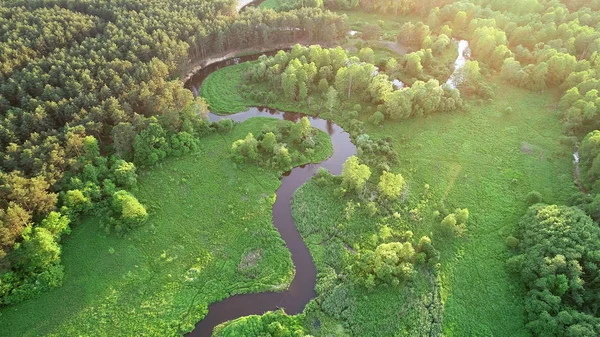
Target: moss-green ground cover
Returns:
[207, 213]
[272, 4]
[486, 159]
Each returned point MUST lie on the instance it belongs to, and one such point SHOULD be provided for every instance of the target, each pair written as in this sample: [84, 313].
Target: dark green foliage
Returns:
[150, 145]
[533, 197]
[557, 261]
[376, 153]
[224, 125]
[589, 203]
[337, 301]
[75, 74]
[512, 242]
[377, 118]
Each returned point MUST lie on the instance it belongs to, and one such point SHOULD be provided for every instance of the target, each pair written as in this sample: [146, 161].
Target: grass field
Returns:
[390, 23]
[206, 214]
[484, 159]
[333, 237]
[272, 4]
[221, 89]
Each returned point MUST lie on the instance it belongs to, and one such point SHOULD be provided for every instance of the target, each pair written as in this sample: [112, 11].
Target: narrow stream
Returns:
[463, 53]
[302, 288]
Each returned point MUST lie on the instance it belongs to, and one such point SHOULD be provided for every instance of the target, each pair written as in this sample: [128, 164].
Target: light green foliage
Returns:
[39, 248]
[390, 263]
[590, 159]
[332, 100]
[355, 175]
[269, 142]
[129, 211]
[125, 174]
[246, 148]
[317, 210]
[455, 223]
[399, 104]
[76, 202]
[413, 67]
[449, 220]
[298, 140]
[391, 185]
[301, 131]
[380, 88]
[91, 150]
[366, 55]
[56, 224]
[457, 156]
[271, 324]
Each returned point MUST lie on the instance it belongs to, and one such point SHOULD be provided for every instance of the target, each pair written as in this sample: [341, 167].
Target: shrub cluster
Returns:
[557, 254]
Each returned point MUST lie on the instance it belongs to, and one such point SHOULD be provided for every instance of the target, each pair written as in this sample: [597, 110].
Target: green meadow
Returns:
[485, 158]
[207, 213]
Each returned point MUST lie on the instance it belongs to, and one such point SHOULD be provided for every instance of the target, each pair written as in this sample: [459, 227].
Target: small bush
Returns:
[512, 242]
[128, 210]
[224, 125]
[533, 197]
[377, 118]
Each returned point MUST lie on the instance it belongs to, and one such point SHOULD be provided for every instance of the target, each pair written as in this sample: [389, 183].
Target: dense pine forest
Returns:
[300, 168]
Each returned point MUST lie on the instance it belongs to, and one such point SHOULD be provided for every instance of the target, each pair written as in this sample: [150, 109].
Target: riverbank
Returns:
[471, 159]
[207, 215]
[197, 65]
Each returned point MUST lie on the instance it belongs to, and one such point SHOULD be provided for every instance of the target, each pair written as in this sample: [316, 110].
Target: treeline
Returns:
[81, 81]
[94, 185]
[536, 46]
[531, 44]
[335, 77]
[399, 7]
[557, 253]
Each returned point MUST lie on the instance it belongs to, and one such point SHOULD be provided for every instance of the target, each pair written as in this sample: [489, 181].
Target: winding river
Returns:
[302, 288]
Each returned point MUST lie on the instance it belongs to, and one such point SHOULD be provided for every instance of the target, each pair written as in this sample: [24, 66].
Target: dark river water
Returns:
[196, 80]
[302, 288]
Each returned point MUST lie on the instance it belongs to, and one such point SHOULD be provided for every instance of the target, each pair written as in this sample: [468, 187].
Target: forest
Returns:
[300, 168]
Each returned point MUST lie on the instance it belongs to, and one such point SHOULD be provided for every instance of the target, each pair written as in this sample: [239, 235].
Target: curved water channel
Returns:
[302, 288]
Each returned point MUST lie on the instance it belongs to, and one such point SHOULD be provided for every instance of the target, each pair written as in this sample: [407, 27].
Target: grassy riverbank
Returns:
[207, 214]
[486, 159]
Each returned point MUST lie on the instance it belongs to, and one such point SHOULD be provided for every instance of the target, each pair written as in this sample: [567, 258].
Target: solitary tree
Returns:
[355, 175]
[391, 185]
